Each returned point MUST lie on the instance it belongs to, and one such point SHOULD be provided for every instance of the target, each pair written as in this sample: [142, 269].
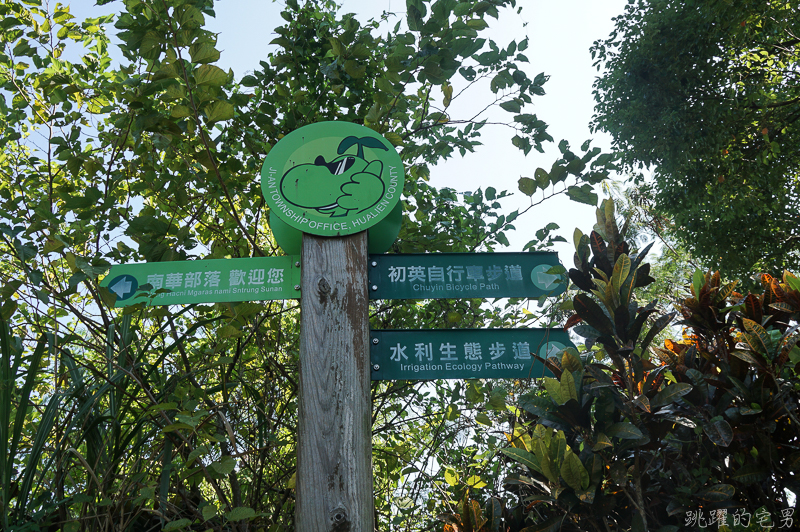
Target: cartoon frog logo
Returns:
[335, 188]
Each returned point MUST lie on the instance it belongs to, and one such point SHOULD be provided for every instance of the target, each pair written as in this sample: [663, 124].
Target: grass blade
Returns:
[35, 454]
[6, 385]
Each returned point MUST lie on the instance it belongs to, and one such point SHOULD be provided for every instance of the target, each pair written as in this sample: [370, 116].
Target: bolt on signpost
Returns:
[333, 179]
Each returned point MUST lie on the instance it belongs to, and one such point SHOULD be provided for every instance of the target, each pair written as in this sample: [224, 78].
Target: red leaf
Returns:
[778, 291]
[592, 314]
[572, 321]
[598, 244]
[752, 304]
[768, 298]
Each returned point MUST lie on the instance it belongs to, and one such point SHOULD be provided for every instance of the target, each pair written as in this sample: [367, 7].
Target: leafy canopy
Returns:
[707, 94]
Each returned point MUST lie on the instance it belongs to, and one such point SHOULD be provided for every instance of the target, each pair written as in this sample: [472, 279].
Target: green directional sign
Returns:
[464, 275]
[463, 353]
[205, 281]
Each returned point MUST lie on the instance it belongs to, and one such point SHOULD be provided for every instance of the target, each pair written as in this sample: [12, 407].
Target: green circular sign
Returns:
[332, 178]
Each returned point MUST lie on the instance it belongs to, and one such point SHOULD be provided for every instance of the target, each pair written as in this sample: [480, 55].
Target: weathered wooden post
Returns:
[334, 461]
[326, 184]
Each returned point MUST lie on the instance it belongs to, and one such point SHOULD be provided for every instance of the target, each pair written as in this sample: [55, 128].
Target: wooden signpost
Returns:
[334, 451]
[328, 186]
[333, 180]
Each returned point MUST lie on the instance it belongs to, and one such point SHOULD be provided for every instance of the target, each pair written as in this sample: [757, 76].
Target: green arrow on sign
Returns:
[463, 353]
[204, 281]
[460, 275]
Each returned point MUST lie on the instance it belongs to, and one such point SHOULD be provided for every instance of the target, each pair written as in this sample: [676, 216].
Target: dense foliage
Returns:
[629, 435]
[706, 94]
[172, 418]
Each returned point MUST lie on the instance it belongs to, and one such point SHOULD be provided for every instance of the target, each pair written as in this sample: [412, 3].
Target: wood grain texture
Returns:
[334, 457]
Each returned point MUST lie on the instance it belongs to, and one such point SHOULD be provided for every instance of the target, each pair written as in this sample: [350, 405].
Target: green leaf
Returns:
[225, 465]
[582, 194]
[476, 482]
[240, 513]
[494, 510]
[483, 419]
[177, 525]
[551, 525]
[477, 24]
[557, 173]
[8, 309]
[719, 432]
[621, 270]
[568, 387]
[512, 106]
[203, 52]
[394, 138]
[747, 357]
[209, 511]
[527, 186]
[450, 476]
[451, 413]
[553, 388]
[199, 451]
[92, 267]
[210, 75]
[558, 447]
[575, 166]
[542, 178]
[354, 69]
[750, 474]
[523, 457]
[670, 393]
[718, 493]
[626, 290]
[601, 442]
[497, 399]
[35, 277]
[150, 47]
[447, 90]
[219, 111]
[11, 287]
[624, 431]
[189, 17]
[750, 410]
[570, 360]
[698, 280]
[545, 463]
[474, 393]
[180, 111]
[573, 472]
